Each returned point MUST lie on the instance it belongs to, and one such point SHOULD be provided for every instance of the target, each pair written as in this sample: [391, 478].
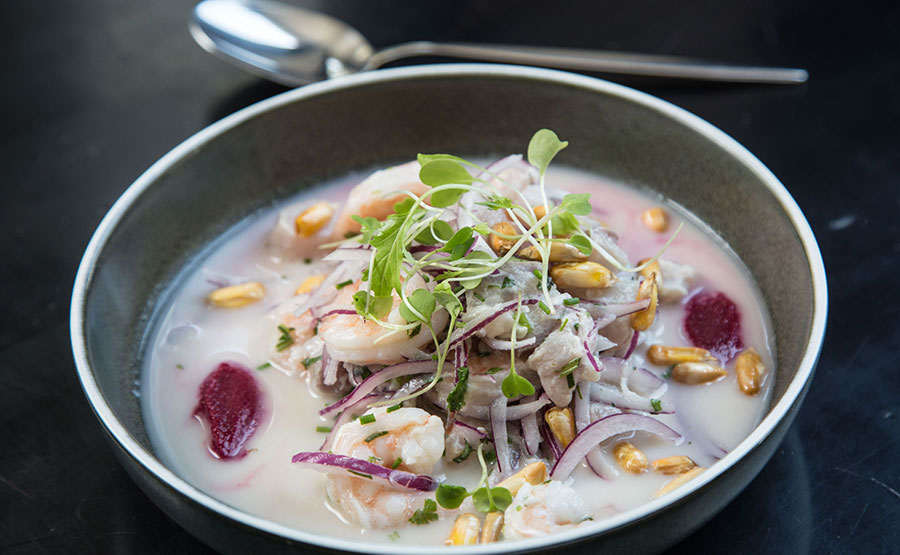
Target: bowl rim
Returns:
[148, 461]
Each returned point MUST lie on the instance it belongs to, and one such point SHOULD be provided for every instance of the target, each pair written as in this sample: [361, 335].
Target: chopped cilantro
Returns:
[507, 283]
[309, 361]
[181, 366]
[656, 404]
[467, 450]
[456, 398]
[394, 536]
[426, 514]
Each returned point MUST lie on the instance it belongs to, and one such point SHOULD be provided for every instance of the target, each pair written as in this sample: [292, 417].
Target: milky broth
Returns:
[192, 338]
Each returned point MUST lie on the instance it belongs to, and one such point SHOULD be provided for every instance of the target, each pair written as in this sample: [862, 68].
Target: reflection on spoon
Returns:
[294, 47]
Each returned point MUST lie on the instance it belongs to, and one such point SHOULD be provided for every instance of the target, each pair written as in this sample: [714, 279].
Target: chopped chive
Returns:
[479, 297]
[367, 419]
[179, 366]
[309, 361]
[375, 436]
[394, 536]
[392, 408]
[323, 429]
[578, 391]
[668, 373]
[570, 380]
[572, 302]
[656, 404]
[570, 366]
[467, 450]
[564, 324]
[494, 370]
[343, 284]
[507, 283]
[285, 340]
[543, 306]
[360, 474]
[538, 274]
[576, 327]
[264, 365]
[397, 462]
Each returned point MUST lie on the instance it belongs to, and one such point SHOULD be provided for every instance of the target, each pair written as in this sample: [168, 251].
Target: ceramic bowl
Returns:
[264, 153]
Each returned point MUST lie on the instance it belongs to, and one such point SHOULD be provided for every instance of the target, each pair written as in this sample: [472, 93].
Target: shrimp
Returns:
[414, 442]
[376, 195]
[354, 339]
[543, 509]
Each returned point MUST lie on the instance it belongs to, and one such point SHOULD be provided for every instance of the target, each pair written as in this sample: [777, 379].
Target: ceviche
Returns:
[459, 352]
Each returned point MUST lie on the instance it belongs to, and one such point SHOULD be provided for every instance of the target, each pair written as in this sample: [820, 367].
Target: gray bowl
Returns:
[264, 153]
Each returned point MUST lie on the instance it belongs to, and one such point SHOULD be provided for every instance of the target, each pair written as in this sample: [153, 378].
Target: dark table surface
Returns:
[95, 90]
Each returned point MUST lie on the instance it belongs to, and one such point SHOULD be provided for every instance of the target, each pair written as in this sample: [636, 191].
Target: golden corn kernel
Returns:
[465, 530]
[630, 457]
[666, 356]
[581, 274]
[695, 373]
[679, 481]
[501, 245]
[540, 211]
[236, 296]
[642, 320]
[678, 464]
[493, 525]
[655, 218]
[651, 268]
[562, 424]
[534, 474]
[314, 218]
[559, 252]
[309, 284]
[750, 369]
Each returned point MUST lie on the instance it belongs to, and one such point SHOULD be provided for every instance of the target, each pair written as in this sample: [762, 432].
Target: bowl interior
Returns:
[245, 164]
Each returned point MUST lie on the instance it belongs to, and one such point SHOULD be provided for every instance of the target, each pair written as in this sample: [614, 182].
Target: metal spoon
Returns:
[294, 47]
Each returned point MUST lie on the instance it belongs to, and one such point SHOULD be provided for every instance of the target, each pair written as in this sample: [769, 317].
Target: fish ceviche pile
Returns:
[479, 317]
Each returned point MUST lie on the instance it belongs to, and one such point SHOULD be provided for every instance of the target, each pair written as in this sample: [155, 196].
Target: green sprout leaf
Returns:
[581, 243]
[514, 385]
[444, 171]
[578, 204]
[490, 500]
[496, 202]
[449, 496]
[439, 231]
[543, 147]
[423, 302]
[378, 307]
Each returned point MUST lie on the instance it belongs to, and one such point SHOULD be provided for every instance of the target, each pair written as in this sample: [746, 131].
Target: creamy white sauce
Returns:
[192, 338]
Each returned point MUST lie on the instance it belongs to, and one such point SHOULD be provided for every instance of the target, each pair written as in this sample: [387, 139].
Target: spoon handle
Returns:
[646, 65]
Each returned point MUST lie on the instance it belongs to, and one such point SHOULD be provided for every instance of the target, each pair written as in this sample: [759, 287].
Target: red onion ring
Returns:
[385, 374]
[328, 462]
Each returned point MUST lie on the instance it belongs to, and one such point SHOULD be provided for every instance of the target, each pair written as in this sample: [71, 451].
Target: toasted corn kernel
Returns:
[679, 481]
[666, 356]
[465, 530]
[750, 370]
[655, 218]
[534, 474]
[630, 457]
[642, 320]
[493, 525]
[540, 211]
[695, 373]
[559, 252]
[651, 268]
[501, 245]
[582, 274]
[678, 464]
[236, 296]
[562, 424]
[309, 284]
[314, 218]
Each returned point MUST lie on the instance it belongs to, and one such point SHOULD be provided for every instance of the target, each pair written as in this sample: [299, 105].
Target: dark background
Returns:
[93, 91]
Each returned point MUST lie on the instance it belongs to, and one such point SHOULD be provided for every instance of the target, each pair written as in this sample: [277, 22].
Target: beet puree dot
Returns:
[712, 321]
[230, 403]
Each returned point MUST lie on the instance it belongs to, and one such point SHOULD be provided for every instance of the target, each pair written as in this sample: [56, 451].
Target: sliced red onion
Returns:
[603, 429]
[635, 335]
[604, 320]
[531, 435]
[384, 375]
[549, 440]
[622, 309]
[641, 381]
[497, 413]
[591, 358]
[349, 254]
[346, 415]
[470, 433]
[504, 345]
[328, 462]
[583, 420]
[471, 329]
[345, 311]
[624, 399]
[329, 367]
